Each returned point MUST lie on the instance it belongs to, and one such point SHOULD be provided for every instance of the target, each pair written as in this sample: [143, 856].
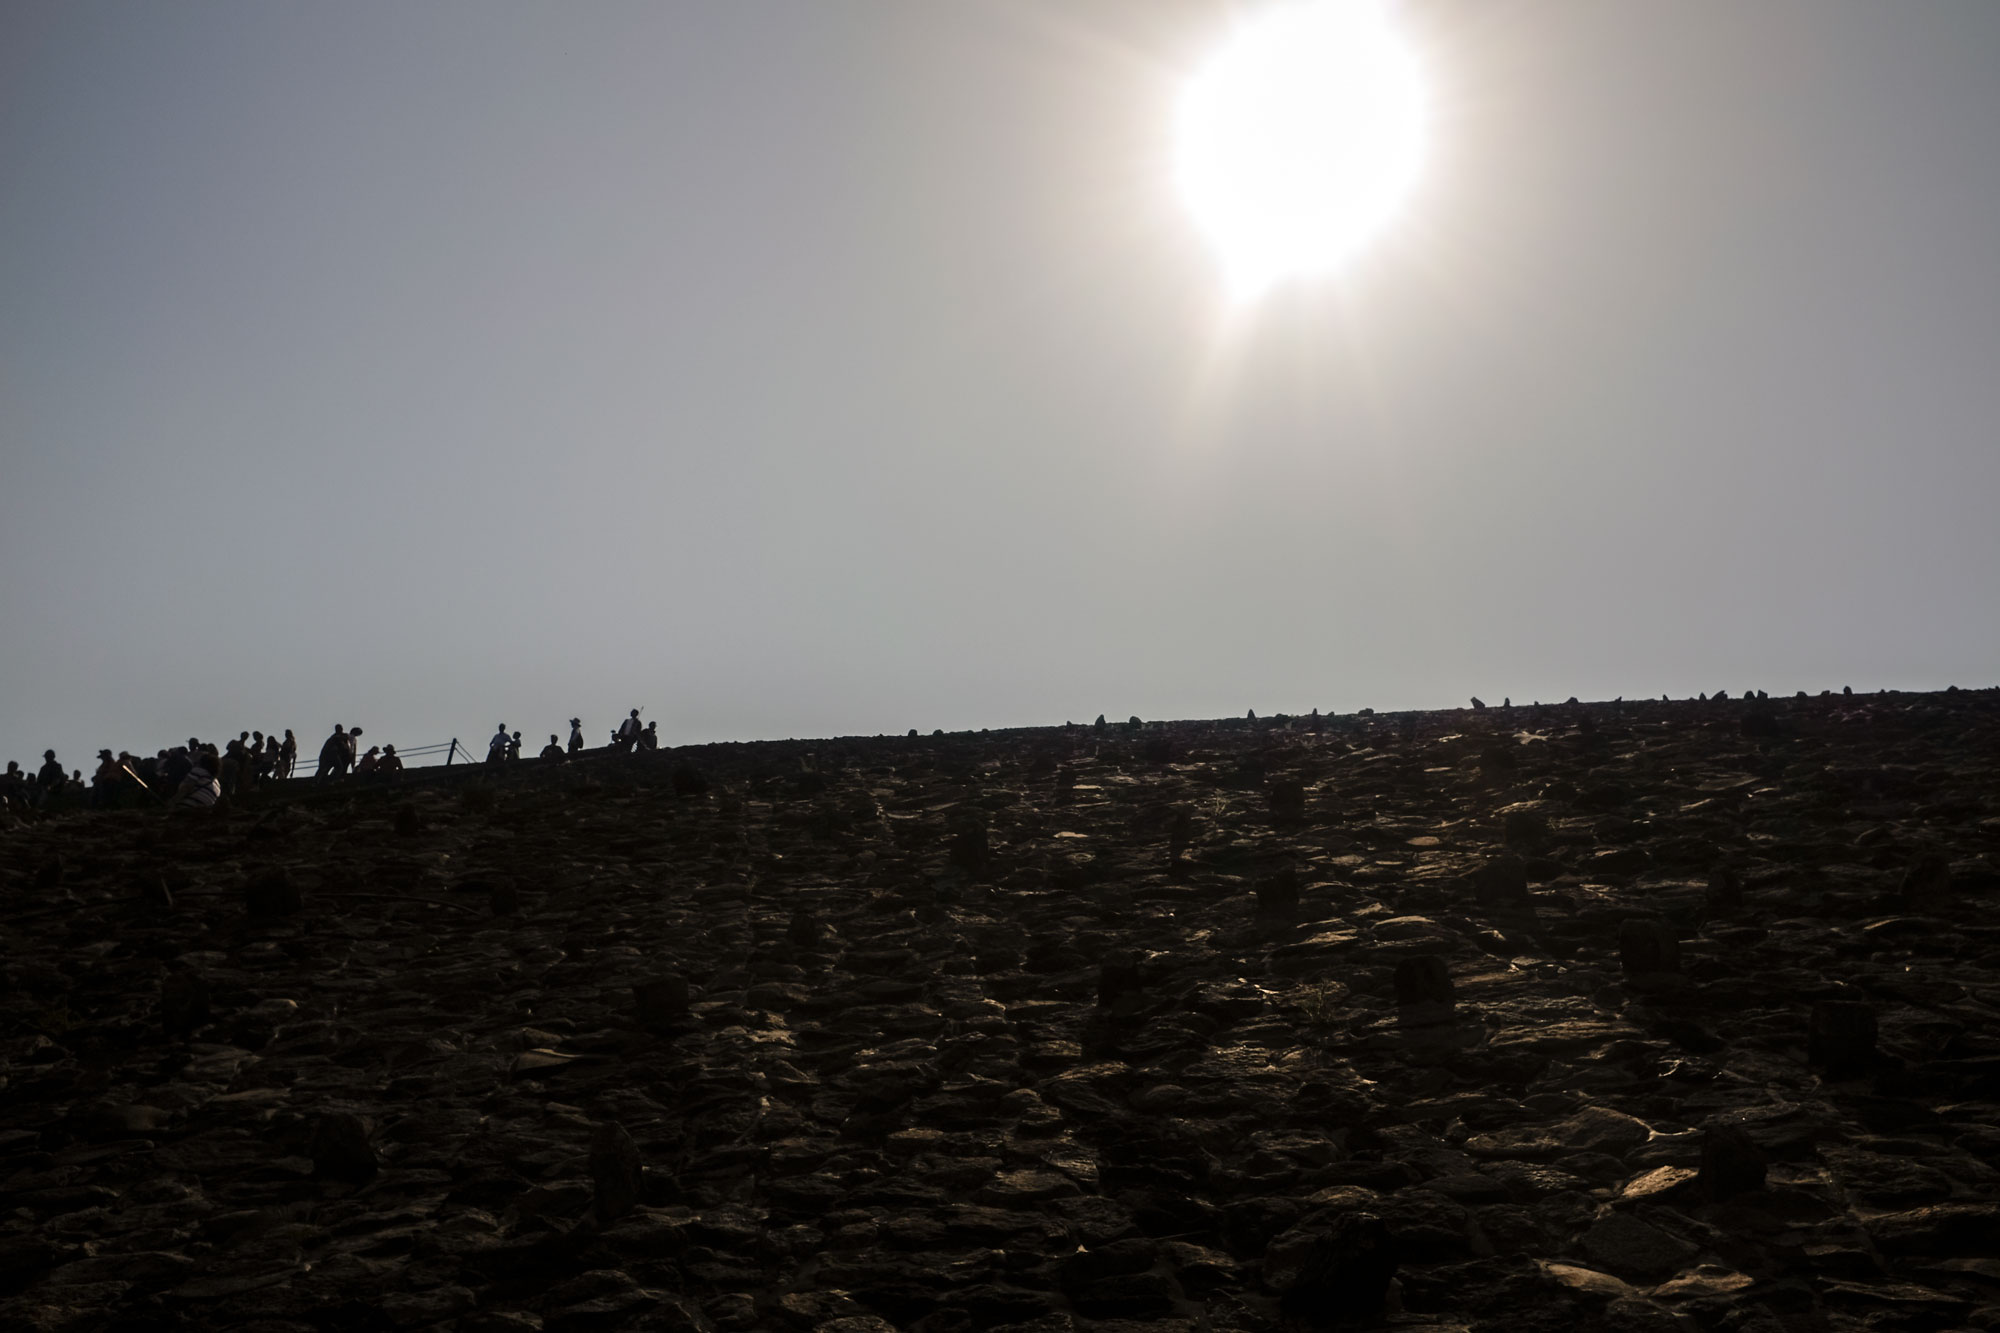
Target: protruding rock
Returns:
[341, 1150]
[1287, 799]
[1647, 946]
[969, 849]
[663, 1001]
[1725, 890]
[1841, 1038]
[1333, 1273]
[183, 1002]
[1926, 880]
[1501, 882]
[271, 893]
[1424, 980]
[1180, 833]
[1118, 975]
[1524, 830]
[1731, 1163]
[1278, 894]
[617, 1172]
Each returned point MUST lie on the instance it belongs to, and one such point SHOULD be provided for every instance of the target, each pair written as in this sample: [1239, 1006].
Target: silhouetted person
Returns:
[49, 778]
[391, 761]
[288, 754]
[334, 756]
[105, 781]
[514, 746]
[575, 734]
[234, 762]
[627, 734]
[200, 788]
[496, 749]
[13, 788]
[649, 739]
[553, 750]
[369, 763]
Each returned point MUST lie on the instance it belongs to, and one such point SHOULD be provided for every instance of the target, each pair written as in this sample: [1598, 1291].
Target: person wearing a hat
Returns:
[51, 776]
[575, 734]
[390, 762]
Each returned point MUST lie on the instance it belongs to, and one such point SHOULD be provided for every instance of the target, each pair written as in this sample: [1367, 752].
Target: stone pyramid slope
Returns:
[1638, 1016]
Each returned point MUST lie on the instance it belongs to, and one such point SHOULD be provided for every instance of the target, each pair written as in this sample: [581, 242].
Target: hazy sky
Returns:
[841, 367]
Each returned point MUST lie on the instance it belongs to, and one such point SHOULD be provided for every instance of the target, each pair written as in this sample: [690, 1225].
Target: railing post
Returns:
[451, 753]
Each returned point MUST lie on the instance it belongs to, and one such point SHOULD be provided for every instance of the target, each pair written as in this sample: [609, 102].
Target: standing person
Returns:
[496, 749]
[575, 734]
[335, 755]
[288, 754]
[49, 778]
[353, 745]
[514, 746]
[628, 732]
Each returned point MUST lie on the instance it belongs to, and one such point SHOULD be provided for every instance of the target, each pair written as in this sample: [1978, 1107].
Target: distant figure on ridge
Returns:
[288, 754]
[649, 739]
[553, 750]
[496, 749]
[391, 762]
[627, 734]
[514, 746]
[333, 755]
[575, 734]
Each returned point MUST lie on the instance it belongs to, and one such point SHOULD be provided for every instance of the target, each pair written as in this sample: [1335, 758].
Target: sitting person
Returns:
[370, 762]
[390, 762]
[649, 739]
[201, 788]
[553, 750]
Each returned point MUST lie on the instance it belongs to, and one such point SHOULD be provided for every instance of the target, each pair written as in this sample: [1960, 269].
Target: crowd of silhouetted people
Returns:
[201, 773]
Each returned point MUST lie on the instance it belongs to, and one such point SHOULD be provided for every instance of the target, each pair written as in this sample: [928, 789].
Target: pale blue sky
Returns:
[848, 366]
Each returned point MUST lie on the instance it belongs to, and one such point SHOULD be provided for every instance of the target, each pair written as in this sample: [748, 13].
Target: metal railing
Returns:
[415, 756]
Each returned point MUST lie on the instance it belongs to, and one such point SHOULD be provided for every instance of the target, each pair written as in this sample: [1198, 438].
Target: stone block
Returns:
[269, 894]
[1648, 946]
[1731, 1163]
[663, 1001]
[341, 1149]
[1841, 1038]
[1423, 980]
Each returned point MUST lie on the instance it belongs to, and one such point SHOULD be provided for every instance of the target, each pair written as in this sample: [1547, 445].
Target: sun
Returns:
[1300, 138]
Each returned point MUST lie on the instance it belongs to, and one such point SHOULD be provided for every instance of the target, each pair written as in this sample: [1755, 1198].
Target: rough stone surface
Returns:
[762, 1042]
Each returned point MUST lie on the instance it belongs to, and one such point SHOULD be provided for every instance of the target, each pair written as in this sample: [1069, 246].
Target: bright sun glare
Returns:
[1300, 138]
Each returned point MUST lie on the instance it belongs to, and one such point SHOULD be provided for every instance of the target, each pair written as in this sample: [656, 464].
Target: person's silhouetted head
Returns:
[48, 754]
